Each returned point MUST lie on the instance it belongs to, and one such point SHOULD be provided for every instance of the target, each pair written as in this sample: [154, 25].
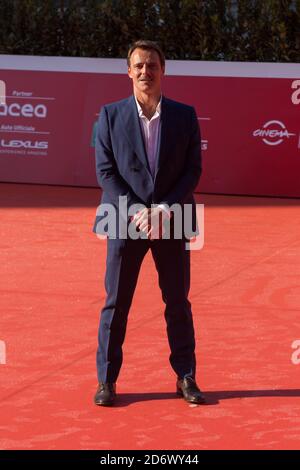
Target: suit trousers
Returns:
[123, 262]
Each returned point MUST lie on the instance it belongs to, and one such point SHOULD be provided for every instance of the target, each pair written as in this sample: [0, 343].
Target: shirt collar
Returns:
[140, 111]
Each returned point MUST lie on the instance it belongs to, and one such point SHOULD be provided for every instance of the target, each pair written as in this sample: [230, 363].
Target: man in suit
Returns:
[148, 153]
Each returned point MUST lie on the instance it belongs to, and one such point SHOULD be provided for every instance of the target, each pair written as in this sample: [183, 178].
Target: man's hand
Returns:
[151, 221]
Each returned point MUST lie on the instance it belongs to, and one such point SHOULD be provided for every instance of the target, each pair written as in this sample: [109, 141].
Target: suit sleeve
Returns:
[108, 176]
[189, 178]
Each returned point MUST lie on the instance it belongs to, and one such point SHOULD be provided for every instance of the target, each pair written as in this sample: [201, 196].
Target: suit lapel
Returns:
[133, 130]
[165, 133]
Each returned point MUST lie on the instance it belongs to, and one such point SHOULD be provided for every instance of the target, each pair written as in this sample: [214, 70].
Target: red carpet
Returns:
[246, 302]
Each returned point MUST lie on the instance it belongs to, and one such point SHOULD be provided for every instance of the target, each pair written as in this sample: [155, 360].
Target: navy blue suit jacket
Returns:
[122, 167]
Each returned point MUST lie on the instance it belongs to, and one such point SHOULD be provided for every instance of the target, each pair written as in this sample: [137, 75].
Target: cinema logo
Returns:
[2, 92]
[273, 132]
[2, 352]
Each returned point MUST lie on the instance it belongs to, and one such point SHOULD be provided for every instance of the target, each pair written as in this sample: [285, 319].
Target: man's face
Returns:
[146, 71]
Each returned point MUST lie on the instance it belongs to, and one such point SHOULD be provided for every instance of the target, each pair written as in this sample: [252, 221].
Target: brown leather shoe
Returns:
[189, 390]
[105, 394]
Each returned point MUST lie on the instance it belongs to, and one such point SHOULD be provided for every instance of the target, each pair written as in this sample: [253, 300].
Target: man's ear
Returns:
[129, 72]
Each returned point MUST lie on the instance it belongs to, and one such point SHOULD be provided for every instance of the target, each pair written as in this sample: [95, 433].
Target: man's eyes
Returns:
[149, 66]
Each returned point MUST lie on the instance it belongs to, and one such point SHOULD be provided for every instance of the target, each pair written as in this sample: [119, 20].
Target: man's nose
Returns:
[145, 69]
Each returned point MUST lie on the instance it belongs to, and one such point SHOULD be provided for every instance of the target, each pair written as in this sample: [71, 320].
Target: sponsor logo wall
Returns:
[250, 125]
